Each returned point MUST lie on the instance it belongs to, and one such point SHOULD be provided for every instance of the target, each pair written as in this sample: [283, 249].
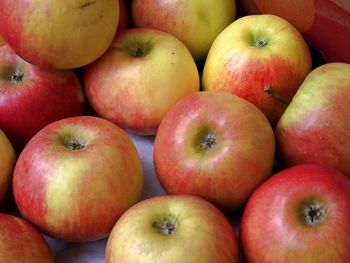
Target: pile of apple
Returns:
[243, 123]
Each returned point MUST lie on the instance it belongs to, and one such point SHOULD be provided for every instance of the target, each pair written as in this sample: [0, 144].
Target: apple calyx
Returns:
[74, 144]
[139, 49]
[206, 141]
[269, 90]
[17, 76]
[167, 226]
[260, 43]
[313, 213]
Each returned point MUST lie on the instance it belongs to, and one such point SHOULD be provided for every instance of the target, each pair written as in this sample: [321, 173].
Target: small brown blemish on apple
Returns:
[87, 3]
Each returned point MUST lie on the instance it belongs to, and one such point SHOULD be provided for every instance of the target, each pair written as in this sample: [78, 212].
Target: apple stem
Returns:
[269, 90]
[17, 76]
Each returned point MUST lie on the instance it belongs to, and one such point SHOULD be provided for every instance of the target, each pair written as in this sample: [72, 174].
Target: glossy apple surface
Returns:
[7, 164]
[139, 78]
[314, 127]
[59, 34]
[31, 97]
[301, 214]
[195, 22]
[21, 242]
[256, 54]
[172, 229]
[75, 178]
[208, 145]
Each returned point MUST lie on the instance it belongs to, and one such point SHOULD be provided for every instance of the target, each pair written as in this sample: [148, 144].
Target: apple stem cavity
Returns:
[269, 90]
[313, 214]
[166, 226]
[17, 77]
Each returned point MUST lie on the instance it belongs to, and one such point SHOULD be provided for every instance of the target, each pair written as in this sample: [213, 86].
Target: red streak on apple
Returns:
[247, 78]
[21, 242]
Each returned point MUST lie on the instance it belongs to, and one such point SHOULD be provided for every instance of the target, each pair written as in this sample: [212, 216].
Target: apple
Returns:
[300, 214]
[325, 23]
[261, 58]
[59, 34]
[143, 74]
[177, 228]
[7, 164]
[21, 242]
[31, 97]
[76, 176]
[195, 22]
[314, 128]
[123, 15]
[215, 145]
[2, 42]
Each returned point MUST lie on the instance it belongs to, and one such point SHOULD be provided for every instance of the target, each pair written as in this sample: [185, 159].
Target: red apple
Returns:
[7, 164]
[195, 22]
[21, 242]
[76, 176]
[139, 78]
[177, 229]
[301, 214]
[31, 98]
[59, 34]
[123, 15]
[215, 145]
[315, 126]
[261, 58]
[2, 42]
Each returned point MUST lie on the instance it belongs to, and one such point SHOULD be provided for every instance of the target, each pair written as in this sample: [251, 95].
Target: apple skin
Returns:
[237, 64]
[139, 78]
[7, 164]
[314, 128]
[59, 34]
[31, 97]
[225, 171]
[273, 226]
[195, 22]
[123, 15]
[198, 228]
[21, 242]
[2, 42]
[77, 195]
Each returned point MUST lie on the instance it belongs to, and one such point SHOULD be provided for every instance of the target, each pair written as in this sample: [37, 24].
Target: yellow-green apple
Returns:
[314, 128]
[215, 145]
[7, 164]
[300, 214]
[76, 176]
[59, 34]
[195, 22]
[261, 58]
[21, 242]
[31, 97]
[139, 78]
[172, 228]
